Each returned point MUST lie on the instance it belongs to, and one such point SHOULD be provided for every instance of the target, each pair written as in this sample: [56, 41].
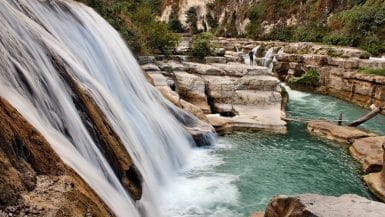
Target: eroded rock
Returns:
[342, 134]
[369, 152]
[313, 205]
[192, 88]
[376, 181]
[29, 167]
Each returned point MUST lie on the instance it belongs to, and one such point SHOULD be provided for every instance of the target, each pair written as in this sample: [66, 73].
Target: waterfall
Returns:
[32, 34]
[267, 61]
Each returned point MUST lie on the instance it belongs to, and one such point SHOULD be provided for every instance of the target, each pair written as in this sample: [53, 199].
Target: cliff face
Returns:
[220, 16]
[231, 17]
[340, 72]
[33, 179]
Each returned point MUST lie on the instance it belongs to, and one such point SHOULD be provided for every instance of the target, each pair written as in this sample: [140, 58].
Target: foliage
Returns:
[136, 21]
[362, 26]
[310, 79]
[374, 71]
[201, 45]
[192, 20]
[359, 23]
[176, 26]
[212, 21]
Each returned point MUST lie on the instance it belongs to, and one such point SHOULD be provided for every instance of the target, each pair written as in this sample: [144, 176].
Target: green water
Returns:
[244, 171]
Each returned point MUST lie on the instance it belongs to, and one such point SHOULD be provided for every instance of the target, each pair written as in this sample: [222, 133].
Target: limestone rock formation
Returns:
[376, 181]
[313, 205]
[342, 134]
[192, 89]
[369, 152]
[234, 96]
[340, 72]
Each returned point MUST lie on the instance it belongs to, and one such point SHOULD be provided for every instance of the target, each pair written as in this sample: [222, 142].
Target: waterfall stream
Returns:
[33, 34]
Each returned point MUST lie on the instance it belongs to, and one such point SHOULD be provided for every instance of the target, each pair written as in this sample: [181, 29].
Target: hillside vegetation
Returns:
[136, 22]
[358, 23]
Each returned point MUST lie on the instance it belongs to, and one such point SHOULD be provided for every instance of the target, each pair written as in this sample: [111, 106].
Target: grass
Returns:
[374, 71]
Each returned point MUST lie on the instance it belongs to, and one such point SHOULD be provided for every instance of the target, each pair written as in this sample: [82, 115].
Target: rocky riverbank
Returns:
[367, 148]
[342, 70]
[229, 96]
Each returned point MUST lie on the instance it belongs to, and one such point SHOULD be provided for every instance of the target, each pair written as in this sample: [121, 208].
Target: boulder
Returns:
[202, 69]
[260, 82]
[158, 79]
[239, 69]
[192, 89]
[175, 99]
[249, 118]
[150, 67]
[369, 152]
[332, 131]
[376, 181]
[313, 205]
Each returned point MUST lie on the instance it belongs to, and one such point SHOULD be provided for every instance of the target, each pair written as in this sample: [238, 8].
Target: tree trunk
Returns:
[363, 119]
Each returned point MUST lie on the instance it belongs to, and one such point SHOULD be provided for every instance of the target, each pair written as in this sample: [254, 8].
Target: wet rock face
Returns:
[33, 179]
[107, 140]
[22, 156]
[312, 205]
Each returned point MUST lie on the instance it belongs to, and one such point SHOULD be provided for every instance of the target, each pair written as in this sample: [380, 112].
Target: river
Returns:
[243, 171]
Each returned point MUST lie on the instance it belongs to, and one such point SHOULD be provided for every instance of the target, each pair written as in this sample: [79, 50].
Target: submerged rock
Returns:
[313, 205]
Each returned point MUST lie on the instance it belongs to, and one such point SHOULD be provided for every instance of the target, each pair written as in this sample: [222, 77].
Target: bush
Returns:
[309, 33]
[373, 45]
[176, 26]
[310, 79]
[337, 39]
[201, 45]
[361, 26]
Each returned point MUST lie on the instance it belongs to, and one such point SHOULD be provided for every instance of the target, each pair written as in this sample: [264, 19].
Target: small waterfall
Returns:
[36, 36]
[246, 56]
[267, 61]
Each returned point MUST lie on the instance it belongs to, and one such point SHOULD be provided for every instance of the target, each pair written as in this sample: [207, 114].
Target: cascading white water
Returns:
[267, 61]
[31, 33]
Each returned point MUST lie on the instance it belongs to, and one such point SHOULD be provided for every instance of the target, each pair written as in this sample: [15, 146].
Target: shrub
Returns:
[310, 79]
[201, 45]
[373, 45]
[176, 26]
[337, 39]
[309, 33]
